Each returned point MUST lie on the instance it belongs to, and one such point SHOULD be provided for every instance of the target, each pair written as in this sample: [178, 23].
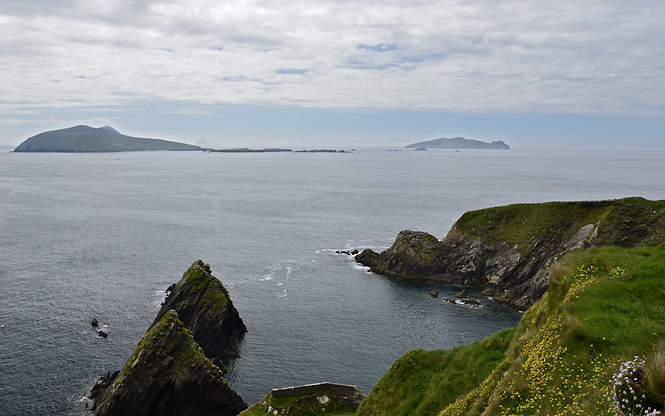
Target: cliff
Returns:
[593, 345]
[88, 139]
[168, 375]
[204, 305]
[511, 250]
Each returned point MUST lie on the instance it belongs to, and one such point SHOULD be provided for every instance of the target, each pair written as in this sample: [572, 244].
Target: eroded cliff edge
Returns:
[511, 249]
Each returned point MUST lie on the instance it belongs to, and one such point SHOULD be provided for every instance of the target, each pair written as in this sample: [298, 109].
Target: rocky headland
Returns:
[510, 250]
[170, 373]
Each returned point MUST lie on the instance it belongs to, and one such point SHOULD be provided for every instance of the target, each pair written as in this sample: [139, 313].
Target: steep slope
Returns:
[88, 139]
[169, 375]
[594, 343]
[511, 249]
[204, 305]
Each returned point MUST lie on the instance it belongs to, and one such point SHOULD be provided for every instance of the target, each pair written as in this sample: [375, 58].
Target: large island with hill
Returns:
[88, 139]
[457, 143]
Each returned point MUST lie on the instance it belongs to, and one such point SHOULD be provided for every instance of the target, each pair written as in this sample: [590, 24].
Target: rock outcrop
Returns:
[168, 375]
[510, 250]
[204, 306]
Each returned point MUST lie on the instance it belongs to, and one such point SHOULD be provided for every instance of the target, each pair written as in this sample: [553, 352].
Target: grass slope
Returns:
[604, 308]
[624, 222]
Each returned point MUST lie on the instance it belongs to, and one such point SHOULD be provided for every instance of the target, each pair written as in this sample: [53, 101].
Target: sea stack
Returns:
[204, 306]
[168, 375]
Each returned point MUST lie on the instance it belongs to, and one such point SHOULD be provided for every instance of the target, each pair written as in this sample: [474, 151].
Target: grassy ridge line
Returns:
[603, 308]
[622, 222]
[423, 382]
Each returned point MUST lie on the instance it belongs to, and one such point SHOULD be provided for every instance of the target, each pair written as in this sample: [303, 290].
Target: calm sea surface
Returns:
[101, 236]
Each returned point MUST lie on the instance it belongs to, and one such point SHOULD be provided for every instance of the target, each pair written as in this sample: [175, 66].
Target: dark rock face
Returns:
[168, 375]
[511, 250]
[204, 305]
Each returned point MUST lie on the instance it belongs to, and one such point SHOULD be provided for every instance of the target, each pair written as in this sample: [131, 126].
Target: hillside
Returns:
[458, 143]
[510, 250]
[592, 343]
[88, 139]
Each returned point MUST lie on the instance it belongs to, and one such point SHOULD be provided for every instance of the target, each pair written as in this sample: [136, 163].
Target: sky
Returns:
[340, 73]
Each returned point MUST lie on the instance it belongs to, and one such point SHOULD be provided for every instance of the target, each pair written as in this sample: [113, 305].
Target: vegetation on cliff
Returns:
[511, 249]
[595, 337]
[204, 305]
[168, 374]
[323, 399]
[88, 139]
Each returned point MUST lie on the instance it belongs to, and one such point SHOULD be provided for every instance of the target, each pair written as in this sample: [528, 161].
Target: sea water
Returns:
[102, 236]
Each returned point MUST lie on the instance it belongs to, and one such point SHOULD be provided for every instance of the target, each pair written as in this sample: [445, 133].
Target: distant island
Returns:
[458, 143]
[88, 139]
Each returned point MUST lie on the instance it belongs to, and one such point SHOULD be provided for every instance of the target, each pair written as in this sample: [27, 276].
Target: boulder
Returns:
[168, 375]
[204, 306]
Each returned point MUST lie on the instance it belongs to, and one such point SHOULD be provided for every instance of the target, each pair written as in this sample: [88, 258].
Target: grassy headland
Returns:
[603, 309]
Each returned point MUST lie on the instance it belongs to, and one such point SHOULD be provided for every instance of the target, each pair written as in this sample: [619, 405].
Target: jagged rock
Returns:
[433, 293]
[169, 375]
[462, 295]
[204, 305]
[102, 334]
[511, 250]
[94, 322]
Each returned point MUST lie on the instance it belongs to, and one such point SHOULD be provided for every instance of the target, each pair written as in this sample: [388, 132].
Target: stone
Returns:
[204, 306]
[94, 322]
[168, 375]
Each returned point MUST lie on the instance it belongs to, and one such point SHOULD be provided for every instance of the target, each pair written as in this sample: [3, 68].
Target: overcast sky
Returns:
[288, 73]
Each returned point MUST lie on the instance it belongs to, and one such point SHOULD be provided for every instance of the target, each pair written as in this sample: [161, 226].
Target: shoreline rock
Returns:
[167, 375]
[510, 250]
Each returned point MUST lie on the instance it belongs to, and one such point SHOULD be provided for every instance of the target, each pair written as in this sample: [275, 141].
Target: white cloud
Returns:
[598, 56]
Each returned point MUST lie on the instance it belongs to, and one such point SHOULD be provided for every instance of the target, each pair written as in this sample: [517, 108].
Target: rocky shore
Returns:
[510, 250]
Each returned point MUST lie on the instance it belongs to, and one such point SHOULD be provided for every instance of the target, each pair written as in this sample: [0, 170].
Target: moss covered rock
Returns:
[169, 375]
[204, 305]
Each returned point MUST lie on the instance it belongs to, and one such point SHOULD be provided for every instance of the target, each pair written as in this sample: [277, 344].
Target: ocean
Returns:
[102, 236]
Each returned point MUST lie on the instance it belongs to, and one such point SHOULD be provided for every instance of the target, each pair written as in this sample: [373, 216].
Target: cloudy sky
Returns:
[362, 72]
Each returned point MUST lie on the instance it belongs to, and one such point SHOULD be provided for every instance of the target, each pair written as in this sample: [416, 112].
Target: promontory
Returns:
[88, 139]
[510, 250]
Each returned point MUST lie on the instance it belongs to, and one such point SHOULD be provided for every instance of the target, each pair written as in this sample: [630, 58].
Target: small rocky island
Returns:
[170, 373]
[88, 139]
[510, 250]
[457, 143]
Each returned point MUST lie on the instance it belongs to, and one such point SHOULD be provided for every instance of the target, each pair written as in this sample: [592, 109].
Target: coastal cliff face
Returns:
[204, 306]
[510, 250]
[169, 375]
[170, 372]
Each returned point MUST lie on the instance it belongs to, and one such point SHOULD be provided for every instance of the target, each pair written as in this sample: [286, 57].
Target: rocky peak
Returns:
[204, 306]
[168, 375]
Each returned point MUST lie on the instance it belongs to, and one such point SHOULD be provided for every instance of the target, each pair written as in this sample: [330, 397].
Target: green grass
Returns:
[304, 405]
[604, 307]
[625, 222]
[424, 382]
